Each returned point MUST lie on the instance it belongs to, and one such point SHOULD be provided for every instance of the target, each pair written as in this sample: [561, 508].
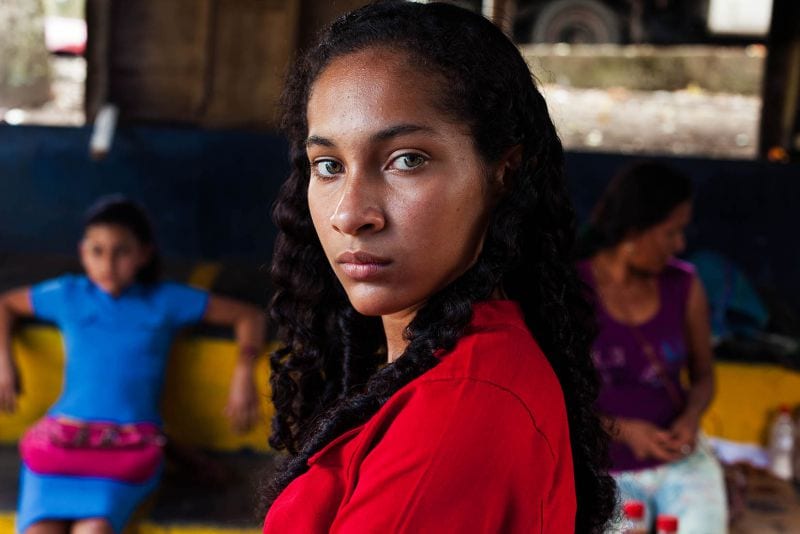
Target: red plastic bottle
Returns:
[666, 524]
[634, 518]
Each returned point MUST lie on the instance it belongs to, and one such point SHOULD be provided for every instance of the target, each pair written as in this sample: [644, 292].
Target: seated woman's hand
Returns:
[684, 433]
[243, 407]
[647, 440]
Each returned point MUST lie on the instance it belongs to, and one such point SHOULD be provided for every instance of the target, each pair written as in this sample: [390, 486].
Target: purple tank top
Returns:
[631, 385]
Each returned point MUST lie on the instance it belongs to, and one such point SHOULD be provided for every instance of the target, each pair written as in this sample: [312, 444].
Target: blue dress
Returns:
[116, 355]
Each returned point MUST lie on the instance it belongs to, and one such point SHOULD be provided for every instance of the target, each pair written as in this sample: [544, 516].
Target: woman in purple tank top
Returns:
[653, 322]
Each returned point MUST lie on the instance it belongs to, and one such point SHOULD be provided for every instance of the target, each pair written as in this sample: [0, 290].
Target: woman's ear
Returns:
[506, 166]
[628, 245]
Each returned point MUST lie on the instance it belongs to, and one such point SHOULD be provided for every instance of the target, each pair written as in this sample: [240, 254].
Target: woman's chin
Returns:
[377, 304]
[371, 308]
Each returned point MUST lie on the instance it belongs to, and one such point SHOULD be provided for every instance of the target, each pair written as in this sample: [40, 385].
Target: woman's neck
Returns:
[394, 326]
[609, 266]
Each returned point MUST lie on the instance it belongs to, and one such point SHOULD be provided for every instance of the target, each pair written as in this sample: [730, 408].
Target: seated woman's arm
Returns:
[701, 367]
[13, 304]
[249, 325]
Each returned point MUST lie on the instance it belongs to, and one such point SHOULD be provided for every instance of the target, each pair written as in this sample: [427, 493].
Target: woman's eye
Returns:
[408, 162]
[328, 167]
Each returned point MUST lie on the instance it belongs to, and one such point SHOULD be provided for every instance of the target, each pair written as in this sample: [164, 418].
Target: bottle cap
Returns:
[668, 523]
[785, 408]
[633, 509]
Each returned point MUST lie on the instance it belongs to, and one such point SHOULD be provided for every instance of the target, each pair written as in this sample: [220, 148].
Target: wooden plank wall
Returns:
[208, 63]
[780, 115]
[315, 14]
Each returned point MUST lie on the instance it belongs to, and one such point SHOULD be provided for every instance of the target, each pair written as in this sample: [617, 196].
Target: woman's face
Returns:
[652, 249]
[398, 194]
[112, 256]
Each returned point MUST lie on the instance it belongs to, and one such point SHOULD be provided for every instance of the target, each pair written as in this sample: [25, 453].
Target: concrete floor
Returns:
[216, 490]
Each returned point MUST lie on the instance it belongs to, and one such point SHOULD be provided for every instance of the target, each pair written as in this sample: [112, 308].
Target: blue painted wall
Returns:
[210, 192]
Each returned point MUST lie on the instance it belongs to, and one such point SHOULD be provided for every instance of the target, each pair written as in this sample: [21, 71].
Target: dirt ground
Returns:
[65, 108]
[689, 122]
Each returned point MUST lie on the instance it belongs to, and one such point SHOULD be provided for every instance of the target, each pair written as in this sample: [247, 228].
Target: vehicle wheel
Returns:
[576, 21]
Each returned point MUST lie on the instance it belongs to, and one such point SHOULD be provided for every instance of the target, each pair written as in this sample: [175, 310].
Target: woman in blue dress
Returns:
[118, 321]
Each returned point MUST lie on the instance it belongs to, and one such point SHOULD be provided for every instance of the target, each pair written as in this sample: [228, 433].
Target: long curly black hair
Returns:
[329, 376]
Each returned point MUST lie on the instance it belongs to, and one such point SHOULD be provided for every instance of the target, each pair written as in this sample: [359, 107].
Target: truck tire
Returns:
[576, 21]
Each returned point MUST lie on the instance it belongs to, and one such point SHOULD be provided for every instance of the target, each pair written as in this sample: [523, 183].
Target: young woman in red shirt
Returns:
[436, 373]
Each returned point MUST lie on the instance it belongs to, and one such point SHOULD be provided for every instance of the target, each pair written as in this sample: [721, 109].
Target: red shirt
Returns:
[480, 443]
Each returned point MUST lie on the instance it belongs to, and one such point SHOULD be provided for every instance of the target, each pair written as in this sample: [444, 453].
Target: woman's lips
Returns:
[361, 266]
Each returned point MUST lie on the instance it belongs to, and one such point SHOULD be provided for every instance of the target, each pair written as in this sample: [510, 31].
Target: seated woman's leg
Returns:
[694, 491]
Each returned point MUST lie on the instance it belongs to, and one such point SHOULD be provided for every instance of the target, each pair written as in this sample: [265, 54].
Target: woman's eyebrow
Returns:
[398, 130]
[315, 140]
[383, 135]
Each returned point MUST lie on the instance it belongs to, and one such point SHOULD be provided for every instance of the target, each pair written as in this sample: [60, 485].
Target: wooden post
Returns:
[781, 85]
[98, 24]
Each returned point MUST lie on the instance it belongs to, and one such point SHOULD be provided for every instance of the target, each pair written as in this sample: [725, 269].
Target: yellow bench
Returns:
[747, 398]
[200, 368]
[195, 390]
[197, 384]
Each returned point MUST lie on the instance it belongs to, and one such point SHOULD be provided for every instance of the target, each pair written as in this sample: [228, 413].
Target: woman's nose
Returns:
[359, 207]
[110, 268]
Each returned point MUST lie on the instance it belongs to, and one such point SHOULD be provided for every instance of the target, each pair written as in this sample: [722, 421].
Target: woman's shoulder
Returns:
[677, 277]
[65, 283]
[171, 289]
[70, 280]
[496, 343]
[679, 268]
[465, 409]
[495, 383]
[498, 353]
[183, 304]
